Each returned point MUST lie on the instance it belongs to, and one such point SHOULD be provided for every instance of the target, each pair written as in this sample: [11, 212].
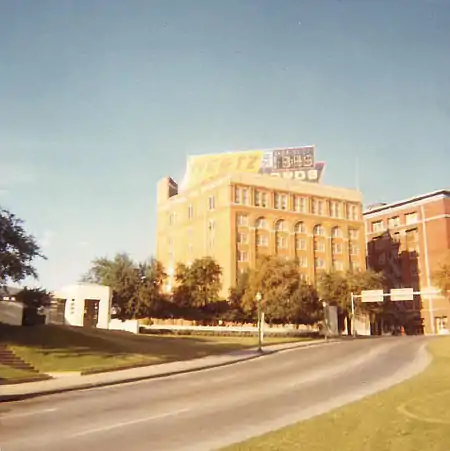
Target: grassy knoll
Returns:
[413, 416]
[61, 348]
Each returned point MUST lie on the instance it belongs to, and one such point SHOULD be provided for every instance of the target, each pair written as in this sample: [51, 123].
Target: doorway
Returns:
[91, 307]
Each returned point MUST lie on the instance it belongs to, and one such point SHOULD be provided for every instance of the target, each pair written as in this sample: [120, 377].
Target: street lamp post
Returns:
[258, 300]
[325, 322]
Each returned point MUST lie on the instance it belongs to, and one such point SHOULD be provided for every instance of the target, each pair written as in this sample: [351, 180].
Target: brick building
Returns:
[408, 240]
[236, 217]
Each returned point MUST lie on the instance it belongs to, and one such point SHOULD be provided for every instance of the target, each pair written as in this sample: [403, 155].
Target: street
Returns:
[212, 408]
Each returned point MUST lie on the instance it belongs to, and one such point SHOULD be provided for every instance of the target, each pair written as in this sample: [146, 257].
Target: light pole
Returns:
[352, 298]
[258, 300]
[325, 322]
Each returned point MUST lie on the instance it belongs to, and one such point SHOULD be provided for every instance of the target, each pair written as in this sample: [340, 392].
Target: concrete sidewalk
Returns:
[16, 392]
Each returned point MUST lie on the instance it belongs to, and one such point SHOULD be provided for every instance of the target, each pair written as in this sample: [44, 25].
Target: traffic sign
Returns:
[402, 294]
[372, 296]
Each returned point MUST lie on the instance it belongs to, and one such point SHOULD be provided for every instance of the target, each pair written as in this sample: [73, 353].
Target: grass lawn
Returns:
[6, 372]
[61, 348]
[413, 416]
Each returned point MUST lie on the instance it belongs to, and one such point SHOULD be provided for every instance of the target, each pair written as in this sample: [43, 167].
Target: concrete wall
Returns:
[11, 312]
[77, 294]
[130, 325]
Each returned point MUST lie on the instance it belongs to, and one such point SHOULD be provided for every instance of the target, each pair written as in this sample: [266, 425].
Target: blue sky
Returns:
[102, 98]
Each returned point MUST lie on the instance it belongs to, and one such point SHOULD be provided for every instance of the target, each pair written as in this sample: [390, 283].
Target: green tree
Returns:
[335, 288]
[34, 297]
[197, 285]
[17, 249]
[441, 276]
[285, 297]
[234, 311]
[137, 288]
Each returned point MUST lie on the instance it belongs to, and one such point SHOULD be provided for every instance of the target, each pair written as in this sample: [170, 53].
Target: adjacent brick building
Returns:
[408, 240]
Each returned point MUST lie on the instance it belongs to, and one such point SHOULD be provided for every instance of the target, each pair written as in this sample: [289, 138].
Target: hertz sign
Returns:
[291, 163]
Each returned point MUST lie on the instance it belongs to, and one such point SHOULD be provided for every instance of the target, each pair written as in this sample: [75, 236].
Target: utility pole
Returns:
[258, 300]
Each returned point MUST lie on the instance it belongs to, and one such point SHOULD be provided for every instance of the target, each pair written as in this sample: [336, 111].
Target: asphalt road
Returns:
[212, 408]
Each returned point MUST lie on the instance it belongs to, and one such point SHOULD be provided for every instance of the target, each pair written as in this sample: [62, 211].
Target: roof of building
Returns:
[379, 207]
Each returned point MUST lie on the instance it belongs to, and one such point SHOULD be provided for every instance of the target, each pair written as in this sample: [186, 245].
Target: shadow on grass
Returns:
[66, 348]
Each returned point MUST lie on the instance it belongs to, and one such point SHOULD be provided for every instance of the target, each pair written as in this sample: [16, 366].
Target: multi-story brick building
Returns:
[408, 240]
[236, 217]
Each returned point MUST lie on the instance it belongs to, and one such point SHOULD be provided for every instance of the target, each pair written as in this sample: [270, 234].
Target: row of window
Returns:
[298, 204]
[300, 227]
[392, 223]
[300, 244]
[319, 263]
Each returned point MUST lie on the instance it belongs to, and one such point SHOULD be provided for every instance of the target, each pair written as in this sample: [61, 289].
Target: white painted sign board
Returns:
[402, 294]
[372, 296]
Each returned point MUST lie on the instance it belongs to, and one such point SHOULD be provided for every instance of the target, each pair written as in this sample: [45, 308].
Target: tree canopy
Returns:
[441, 277]
[18, 249]
[136, 286]
[335, 288]
[198, 284]
[286, 298]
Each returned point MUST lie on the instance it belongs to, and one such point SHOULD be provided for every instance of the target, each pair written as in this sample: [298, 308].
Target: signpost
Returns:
[395, 294]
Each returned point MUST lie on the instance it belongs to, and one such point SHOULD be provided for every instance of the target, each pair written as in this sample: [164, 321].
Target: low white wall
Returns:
[254, 329]
[130, 325]
[11, 312]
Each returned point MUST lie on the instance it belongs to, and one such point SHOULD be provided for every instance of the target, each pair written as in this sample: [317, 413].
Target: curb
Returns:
[24, 396]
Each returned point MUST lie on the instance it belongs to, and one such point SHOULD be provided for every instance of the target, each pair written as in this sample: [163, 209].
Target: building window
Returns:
[353, 234]
[261, 223]
[261, 199]
[281, 242]
[280, 226]
[300, 204]
[242, 220]
[262, 240]
[303, 261]
[211, 225]
[337, 248]
[242, 256]
[281, 201]
[241, 196]
[335, 209]
[396, 237]
[242, 238]
[319, 263]
[319, 230]
[300, 227]
[377, 226]
[354, 249]
[412, 240]
[410, 218]
[336, 232]
[354, 266]
[318, 207]
[171, 218]
[211, 203]
[319, 246]
[300, 244]
[338, 265]
[394, 222]
[190, 211]
[352, 212]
